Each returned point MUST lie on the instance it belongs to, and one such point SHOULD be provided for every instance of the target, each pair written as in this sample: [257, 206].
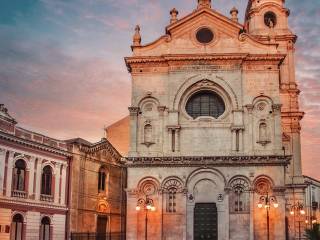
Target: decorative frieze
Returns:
[208, 161]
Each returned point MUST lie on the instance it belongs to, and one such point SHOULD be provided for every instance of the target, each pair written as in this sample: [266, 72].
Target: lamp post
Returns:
[266, 202]
[147, 205]
[298, 210]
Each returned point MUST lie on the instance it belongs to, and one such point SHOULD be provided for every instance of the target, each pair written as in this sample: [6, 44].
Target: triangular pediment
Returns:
[181, 37]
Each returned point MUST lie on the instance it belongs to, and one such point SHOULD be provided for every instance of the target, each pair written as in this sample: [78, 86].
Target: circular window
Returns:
[270, 19]
[205, 103]
[204, 35]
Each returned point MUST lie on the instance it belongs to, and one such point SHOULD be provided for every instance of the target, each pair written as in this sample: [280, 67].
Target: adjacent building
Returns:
[97, 197]
[34, 173]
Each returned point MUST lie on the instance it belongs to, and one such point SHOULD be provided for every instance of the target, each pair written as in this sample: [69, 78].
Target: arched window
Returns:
[45, 229]
[205, 103]
[46, 181]
[263, 132]
[102, 180]
[17, 227]
[171, 200]
[19, 175]
[148, 133]
[239, 197]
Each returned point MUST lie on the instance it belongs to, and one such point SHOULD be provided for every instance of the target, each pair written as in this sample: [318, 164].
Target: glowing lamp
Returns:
[153, 208]
[291, 212]
[260, 205]
[138, 208]
[149, 207]
[303, 212]
[314, 221]
[307, 221]
[276, 205]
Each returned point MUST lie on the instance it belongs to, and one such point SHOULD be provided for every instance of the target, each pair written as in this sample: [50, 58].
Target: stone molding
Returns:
[104, 144]
[193, 161]
[34, 145]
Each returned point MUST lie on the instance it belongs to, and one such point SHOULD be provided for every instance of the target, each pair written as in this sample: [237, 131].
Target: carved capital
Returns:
[276, 107]
[134, 111]
[249, 108]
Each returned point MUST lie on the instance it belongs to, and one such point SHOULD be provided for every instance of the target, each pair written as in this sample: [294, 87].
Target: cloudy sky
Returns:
[62, 71]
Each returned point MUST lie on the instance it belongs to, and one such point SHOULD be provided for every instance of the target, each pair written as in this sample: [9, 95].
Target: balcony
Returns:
[19, 194]
[46, 198]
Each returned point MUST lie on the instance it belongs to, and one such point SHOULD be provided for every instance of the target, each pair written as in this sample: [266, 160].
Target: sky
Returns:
[62, 71]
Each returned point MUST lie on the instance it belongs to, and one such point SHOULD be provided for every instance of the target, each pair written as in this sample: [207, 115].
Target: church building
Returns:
[215, 128]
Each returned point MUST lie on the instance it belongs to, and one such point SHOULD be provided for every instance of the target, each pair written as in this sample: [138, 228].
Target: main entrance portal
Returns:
[205, 221]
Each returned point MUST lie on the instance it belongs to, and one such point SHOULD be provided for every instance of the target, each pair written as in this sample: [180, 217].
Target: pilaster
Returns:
[56, 182]
[31, 177]
[9, 174]
[63, 184]
[2, 168]
[133, 130]
[38, 178]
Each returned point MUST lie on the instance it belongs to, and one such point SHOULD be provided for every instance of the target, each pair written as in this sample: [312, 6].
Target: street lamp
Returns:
[147, 205]
[266, 202]
[298, 210]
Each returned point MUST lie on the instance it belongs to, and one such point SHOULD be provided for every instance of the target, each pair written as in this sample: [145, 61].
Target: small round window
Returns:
[270, 19]
[205, 103]
[204, 35]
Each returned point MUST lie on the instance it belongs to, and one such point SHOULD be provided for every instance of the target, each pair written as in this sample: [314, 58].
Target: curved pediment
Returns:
[181, 37]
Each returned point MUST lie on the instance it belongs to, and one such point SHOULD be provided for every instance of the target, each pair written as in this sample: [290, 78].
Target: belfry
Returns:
[214, 128]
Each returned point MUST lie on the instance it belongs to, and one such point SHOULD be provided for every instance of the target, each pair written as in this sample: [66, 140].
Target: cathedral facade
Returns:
[215, 128]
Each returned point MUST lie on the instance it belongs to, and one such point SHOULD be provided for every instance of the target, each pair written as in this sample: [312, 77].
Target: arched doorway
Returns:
[205, 221]
[45, 229]
[102, 223]
[17, 227]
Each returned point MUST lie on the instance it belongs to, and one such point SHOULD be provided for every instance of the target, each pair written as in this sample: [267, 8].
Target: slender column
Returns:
[241, 140]
[9, 174]
[26, 182]
[63, 184]
[277, 126]
[234, 140]
[252, 211]
[2, 168]
[31, 177]
[177, 138]
[133, 130]
[56, 183]
[38, 178]
[250, 128]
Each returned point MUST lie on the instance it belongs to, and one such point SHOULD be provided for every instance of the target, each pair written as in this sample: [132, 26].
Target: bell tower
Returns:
[267, 17]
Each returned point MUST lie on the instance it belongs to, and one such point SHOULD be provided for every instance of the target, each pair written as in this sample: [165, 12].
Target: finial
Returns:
[204, 3]
[137, 37]
[234, 14]
[174, 13]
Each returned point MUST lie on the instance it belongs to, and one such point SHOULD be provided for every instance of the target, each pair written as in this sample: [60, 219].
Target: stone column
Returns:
[234, 139]
[133, 130]
[31, 178]
[250, 128]
[9, 174]
[277, 127]
[3, 153]
[38, 178]
[177, 140]
[296, 152]
[56, 182]
[63, 184]
[252, 211]
[240, 140]
[132, 215]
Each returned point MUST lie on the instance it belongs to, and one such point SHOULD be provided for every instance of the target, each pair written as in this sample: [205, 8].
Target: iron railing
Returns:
[97, 236]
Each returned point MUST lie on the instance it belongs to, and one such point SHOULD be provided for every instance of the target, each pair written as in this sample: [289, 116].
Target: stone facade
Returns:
[248, 153]
[26, 201]
[93, 196]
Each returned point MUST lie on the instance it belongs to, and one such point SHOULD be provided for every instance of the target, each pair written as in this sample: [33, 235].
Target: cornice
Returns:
[167, 59]
[35, 145]
[104, 144]
[32, 203]
[200, 161]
